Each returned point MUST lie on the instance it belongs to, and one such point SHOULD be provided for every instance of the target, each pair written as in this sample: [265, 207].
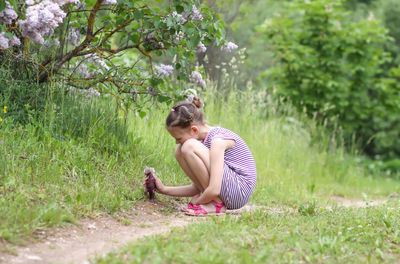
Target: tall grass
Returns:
[82, 159]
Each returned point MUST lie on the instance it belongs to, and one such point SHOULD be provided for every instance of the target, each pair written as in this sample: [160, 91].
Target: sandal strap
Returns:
[199, 210]
[193, 206]
[218, 206]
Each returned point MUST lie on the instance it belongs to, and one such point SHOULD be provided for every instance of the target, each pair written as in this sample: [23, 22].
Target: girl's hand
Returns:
[159, 185]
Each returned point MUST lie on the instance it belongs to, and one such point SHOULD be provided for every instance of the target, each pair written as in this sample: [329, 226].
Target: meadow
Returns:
[83, 158]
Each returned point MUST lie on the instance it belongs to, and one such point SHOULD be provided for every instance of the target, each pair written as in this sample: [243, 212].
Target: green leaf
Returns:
[193, 42]
[142, 114]
[162, 98]
[178, 66]
[155, 82]
[179, 9]
[9, 35]
[2, 5]
[138, 14]
[135, 37]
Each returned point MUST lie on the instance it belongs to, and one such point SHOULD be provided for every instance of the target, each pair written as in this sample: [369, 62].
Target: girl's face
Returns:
[183, 134]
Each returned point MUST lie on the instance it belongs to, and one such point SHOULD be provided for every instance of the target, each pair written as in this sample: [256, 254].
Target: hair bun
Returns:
[197, 102]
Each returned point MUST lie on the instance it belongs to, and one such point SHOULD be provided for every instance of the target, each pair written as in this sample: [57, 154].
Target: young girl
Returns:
[218, 162]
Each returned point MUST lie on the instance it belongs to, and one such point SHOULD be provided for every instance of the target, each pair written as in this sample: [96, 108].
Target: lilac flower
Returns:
[63, 2]
[164, 70]
[196, 15]
[14, 41]
[109, 2]
[197, 78]
[179, 36]
[182, 18]
[41, 19]
[29, 2]
[81, 5]
[92, 92]
[229, 47]
[201, 48]
[8, 14]
[50, 43]
[5, 42]
[93, 58]
[74, 36]
[82, 70]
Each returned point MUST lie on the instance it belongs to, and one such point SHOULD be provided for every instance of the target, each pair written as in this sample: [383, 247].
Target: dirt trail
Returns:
[96, 237]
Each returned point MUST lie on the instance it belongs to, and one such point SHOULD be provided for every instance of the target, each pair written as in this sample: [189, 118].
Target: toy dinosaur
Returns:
[150, 184]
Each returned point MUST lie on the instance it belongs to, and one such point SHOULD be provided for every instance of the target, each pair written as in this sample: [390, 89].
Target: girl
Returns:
[218, 162]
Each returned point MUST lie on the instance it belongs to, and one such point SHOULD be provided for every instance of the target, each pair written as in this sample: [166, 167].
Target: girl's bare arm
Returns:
[181, 191]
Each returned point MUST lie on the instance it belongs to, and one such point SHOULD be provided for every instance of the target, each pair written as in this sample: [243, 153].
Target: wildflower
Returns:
[1, 119]
[5, 109]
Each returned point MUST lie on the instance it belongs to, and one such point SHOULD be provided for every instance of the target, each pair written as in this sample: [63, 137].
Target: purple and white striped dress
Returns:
[240, 175]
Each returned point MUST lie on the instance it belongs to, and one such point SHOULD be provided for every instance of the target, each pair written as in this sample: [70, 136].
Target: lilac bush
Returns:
[86, 47]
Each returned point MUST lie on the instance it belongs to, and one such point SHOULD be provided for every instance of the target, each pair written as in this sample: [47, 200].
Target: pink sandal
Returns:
[200, 211]
[190, 206]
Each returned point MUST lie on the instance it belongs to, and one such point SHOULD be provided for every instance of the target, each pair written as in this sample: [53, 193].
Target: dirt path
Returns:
[96, 237]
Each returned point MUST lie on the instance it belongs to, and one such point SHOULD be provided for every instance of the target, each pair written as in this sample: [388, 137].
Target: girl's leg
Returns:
[194, 158]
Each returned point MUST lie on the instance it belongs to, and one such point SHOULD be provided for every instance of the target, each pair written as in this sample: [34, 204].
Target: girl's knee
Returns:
[189, 146]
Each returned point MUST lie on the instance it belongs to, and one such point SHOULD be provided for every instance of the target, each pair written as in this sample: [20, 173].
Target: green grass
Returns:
[82, 159]
[338, 235]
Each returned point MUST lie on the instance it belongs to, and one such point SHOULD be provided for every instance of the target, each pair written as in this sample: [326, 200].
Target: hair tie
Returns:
[172, 110]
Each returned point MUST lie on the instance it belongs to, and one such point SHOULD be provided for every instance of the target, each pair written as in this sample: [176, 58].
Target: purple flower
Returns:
[197, 78]
[74, 36]
[6, 42]
[164, 70]
[41, 19]
[229, 47]
[8, 14]
[201, 48]
[196, 15]
[109, 2]
[182, 18]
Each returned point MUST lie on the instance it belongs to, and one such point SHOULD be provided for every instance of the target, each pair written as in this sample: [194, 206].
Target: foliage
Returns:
[108, 45]
[331, 67]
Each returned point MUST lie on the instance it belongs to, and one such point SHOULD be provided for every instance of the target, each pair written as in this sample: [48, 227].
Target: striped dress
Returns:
[240, 174]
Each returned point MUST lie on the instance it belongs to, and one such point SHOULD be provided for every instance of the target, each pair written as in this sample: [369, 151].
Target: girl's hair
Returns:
[185, 113]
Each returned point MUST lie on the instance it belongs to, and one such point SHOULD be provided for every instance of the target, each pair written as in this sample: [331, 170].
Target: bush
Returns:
[332, 68]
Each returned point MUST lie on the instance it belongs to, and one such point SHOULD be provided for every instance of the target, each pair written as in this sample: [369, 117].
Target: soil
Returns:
[96, 237]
